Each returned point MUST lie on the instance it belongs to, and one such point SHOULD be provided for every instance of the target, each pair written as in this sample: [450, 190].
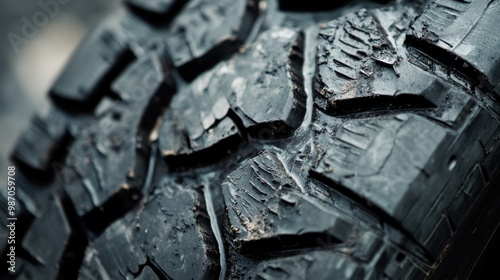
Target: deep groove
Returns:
[385, 113]
[484, 173]
[377, 212]
[150, 170]
[155, 108]
[453, 62]
[287, 243]
[438, 122]
[157, 270]
[238, 123]
[139, 271]
[317, 242]
[308, 72]
[204, 157]
[74, 252]
[98, 219]
[375, 104]
[215, 230]
[256, 26]
[207, 223]
[124, 199]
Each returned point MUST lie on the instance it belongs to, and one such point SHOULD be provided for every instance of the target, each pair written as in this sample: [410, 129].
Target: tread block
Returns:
[407, 166]
[171, 231]
[242, 93]
[390, 262]
[160, 7]
[462, 34]
[141, 80]
[430, 216]
[207, 31]
[275, 59]
[99, 60]
[269, 212]
[192, 130]
[43, 142]
[361, 67]
[267, 209]
[453, 109]
[110, 155]
[492, 151]
[315, 265]
[470, 190]
[47, 238]
[383, 162]
[363, 150]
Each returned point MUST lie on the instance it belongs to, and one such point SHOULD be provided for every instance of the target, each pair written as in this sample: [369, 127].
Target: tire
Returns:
[267, 140]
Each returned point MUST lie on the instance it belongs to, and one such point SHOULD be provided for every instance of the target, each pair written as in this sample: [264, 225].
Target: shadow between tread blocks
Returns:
[386, 180]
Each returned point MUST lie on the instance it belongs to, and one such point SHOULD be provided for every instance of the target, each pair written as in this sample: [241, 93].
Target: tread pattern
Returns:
[172, 231]
[461, 34]
[41, 145]
[268, 212]
[341, 144]
[362, 150]
[271, 95]
[360, 69]
[192, 42]
[317, 265]
[45, 241]
[265, 205]
[103, 55]
[111, 154]
[399, 152]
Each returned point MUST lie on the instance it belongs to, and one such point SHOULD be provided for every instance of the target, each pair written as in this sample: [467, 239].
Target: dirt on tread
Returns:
[268, 140]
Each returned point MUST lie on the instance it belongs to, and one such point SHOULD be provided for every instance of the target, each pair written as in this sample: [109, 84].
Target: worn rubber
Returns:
[268, 140]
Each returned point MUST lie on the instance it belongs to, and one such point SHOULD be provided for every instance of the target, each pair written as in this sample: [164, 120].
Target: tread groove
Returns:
[73, 254]
[243, 139]
[385, 218]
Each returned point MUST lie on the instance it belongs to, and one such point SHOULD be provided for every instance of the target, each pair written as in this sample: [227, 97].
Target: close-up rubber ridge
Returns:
[266, 139]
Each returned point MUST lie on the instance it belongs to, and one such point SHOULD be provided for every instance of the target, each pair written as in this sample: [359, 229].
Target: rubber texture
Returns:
[268, 140]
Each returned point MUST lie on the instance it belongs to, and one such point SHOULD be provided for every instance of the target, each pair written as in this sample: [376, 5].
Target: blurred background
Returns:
[27, 74]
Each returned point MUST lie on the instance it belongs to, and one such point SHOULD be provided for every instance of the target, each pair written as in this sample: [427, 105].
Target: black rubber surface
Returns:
[269, 140]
